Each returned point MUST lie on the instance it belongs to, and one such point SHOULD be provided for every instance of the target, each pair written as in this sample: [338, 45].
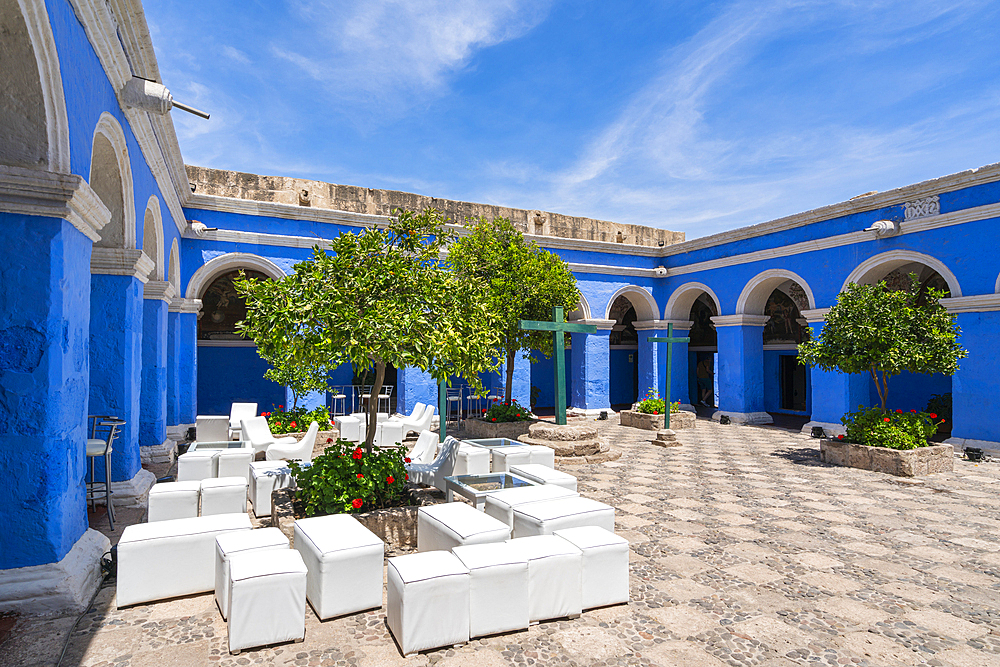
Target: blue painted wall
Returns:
[622, 378]
[228, 375]
[974, 387]
[153, 401]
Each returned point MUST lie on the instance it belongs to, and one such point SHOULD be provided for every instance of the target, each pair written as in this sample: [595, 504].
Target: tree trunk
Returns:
[509, 387]
[373, 405]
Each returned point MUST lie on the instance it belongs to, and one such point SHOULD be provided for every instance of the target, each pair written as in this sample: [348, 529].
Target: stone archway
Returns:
[630, 310]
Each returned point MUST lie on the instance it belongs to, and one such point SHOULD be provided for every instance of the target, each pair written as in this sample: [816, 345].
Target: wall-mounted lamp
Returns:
[883, 229]
[154, 97]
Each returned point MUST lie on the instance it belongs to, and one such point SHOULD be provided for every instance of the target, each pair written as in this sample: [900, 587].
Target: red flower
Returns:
[329, 439]
[280, 407]
[406, 459]
[390, 479]
[357, 503]
[494, 419]
[294, 425]
[357, 454]
[360, 476]
[656, 412]
[942, 421]
[840, 437]
[933, 416]
[885, 419]
[407, 475]
[899, 412]
[913, 411]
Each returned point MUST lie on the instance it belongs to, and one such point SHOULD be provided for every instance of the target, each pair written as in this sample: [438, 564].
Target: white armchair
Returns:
[433, 474]
[302, 451]
[256, 431]
[211, 428]
[424, 450]
[395, 429]
[238, 413]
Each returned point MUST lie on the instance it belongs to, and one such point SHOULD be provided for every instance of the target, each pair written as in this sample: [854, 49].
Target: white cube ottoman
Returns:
[605, 564]
[542, 455]
[543, 474]
[427, 601]
[498, 588]
[555, 571]
[170, 558]
[501, 504]
[173, 500]
[504, 457]
[546, 517]
[267, 599]
[345, 564]
[265, 477]
[240, 542]
[472, 460]
[223, 495]
[235, 462]
[441, 527]
[349, 427]
[197, 465]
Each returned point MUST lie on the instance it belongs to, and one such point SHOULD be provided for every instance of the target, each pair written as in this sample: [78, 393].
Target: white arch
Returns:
[110, 129]
[643, 302]
[36, 18]
[174, 267]
[214, 268]
[754, 296]
[680, 302]
[868, 271]
[583, 309]
[153, 209]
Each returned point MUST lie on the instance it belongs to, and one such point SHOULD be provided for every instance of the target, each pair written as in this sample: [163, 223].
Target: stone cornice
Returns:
[740, 320]
[44, 193]
[186, 306]
[159, 290]
[972, 304]
[602, 325]
[121, 262]
[814, 316]
[684, 325]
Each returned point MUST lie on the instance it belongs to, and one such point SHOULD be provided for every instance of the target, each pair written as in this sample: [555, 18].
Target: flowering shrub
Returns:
[895, 430]
[500, 411]
[297, 420]
[343, 479]
[654, 405]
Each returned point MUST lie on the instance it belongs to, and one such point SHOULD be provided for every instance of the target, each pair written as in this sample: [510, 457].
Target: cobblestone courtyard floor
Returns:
[745, 551]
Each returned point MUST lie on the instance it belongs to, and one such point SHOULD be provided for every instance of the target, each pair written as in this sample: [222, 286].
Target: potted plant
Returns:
[649, 413]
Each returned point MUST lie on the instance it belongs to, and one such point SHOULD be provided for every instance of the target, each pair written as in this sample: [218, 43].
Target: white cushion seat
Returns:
[173, 500]
[546, 517]
[197, 465]
[237, 413]
[170, 558]
[554, 576]
[223, 495]
[543, 455]
[345, 564]
[543, 474]
[427, 601]
[498, 587]
[267, 599]
[349, 427]
[472, 460]
[441, 527]
[501, 504]
[211, 428]
[235, 462]
[605, 564]
[240, 542]
[265, 477]
[505, 457]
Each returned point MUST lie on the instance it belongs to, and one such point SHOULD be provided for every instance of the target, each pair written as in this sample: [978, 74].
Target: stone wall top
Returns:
[355, 199]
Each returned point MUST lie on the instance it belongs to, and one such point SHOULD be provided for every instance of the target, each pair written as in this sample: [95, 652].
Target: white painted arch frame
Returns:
[174, 267]
[583, 308]
[888, 261]
[217, 266]
[153, 208]
[109, 127]
[643, 302]
[682, 300]
[755, 294]
[36, 18]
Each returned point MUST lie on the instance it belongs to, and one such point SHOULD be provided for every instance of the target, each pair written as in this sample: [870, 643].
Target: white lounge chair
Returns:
[425, 449]
[211, 428]
[301, 451]
[256, 431]
[394, 430]
[433, 474]
[238, 413]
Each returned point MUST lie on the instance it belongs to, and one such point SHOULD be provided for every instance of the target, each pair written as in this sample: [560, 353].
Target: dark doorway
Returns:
[793, 384]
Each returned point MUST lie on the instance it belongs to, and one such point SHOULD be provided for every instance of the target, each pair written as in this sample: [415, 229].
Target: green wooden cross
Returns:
[558, 328]
[669, 340]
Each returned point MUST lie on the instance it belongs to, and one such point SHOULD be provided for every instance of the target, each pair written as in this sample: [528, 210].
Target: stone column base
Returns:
[133, 492]
[178, 431]
[56, 588]
[830, 429]
[988, 446]
[165, 452]
[744, 417]
[589, 412]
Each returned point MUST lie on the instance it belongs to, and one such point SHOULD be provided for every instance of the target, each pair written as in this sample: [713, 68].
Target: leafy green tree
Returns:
[875, 330]
[523, 282]
[378, 297]
[300, 379]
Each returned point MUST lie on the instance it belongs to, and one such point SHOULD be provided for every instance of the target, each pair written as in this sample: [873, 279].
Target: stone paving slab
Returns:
[745, 550]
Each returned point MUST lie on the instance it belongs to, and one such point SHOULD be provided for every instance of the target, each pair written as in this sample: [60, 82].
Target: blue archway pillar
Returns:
[173, 373]
[973, 387]
[116, 317]
[741, 368]
[154, 447]
[833, 393]
[590, 369]
[653, 360]
[186, 394]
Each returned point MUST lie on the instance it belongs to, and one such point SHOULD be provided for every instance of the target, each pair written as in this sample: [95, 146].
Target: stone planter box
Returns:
[678, 420]
[477, 429]
[898, 462]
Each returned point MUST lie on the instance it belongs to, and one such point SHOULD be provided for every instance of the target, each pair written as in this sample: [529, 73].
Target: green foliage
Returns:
[300, 378]
[378, 297]
[522, 282]
[874, 330]
[940, 406]
[654, 405]
[297, 420]
[875, 427]
[503, 411]
[345, 479]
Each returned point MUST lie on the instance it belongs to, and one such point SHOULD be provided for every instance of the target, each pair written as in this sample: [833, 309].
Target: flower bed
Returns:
[290, 422]
[655, 422]
[480, 428]
[898, 462]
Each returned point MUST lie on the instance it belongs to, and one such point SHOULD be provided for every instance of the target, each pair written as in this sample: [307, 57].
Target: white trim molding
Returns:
[153, 208]
[888, 261]
[36, 18]
[815, 315]
[121, 262]
[51, 195]
[226, 343]
[158, 290]
[174, 266]
[185, 306]
[753, 298]
[740, 320]
[645, 305]
[216, 266]
[682, 300]
[979, 303]
[684, 325]
[583, 308]
[602, 325]
[108, 127]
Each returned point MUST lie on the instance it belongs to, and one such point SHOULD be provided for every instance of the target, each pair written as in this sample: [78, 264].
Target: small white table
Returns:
[477, 487]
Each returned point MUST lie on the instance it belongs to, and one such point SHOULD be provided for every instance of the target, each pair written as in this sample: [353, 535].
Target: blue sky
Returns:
[693, 116]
